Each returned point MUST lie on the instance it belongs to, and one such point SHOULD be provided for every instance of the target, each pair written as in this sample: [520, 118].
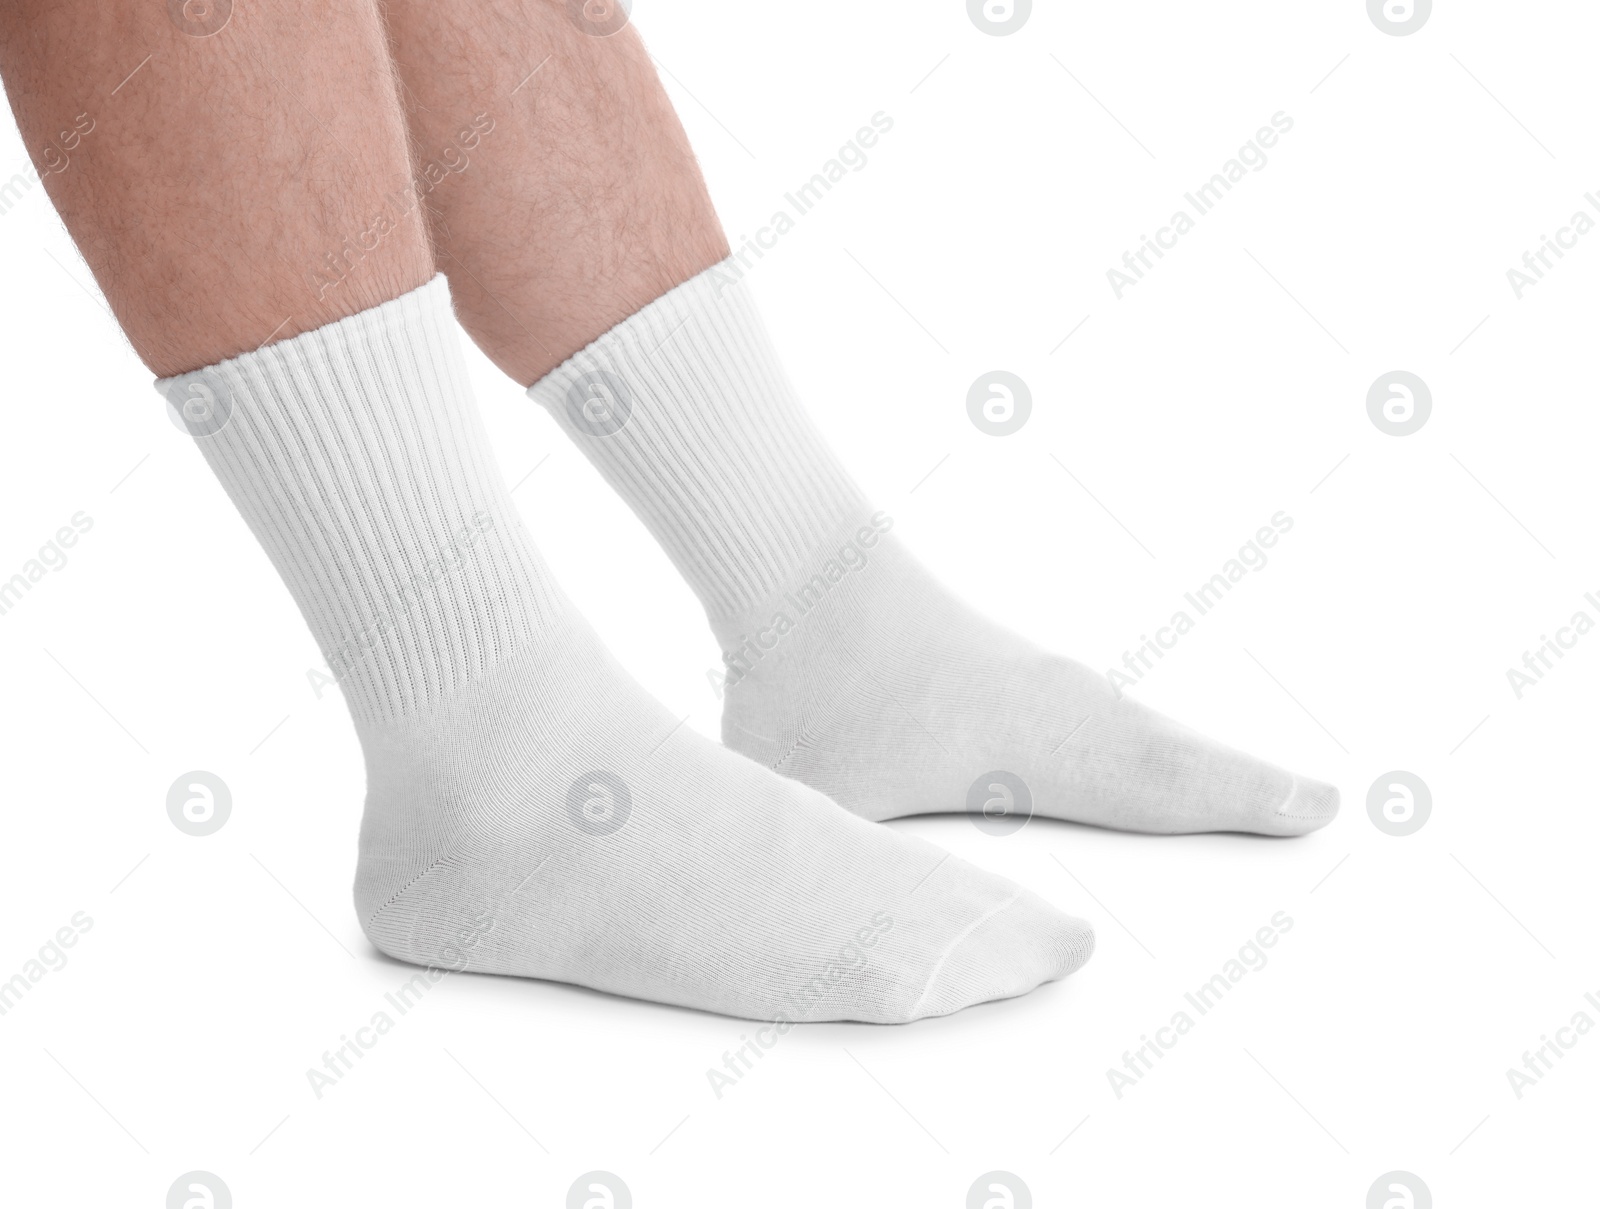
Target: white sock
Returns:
[849, 667]
[530, 810]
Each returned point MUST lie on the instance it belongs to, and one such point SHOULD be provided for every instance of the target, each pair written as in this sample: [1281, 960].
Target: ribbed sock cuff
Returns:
[356, 455]
[687, 412]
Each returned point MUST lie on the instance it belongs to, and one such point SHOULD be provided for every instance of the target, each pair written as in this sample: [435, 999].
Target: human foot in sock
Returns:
[530, 810]
[895, 698]
[849, 667]
[551, 820]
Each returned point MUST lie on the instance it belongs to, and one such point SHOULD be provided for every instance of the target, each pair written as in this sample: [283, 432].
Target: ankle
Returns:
[539, 711]
[789, 659]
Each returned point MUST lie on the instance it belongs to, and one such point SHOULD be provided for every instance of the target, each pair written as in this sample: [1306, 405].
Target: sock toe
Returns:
[1310, 805]
[1019, 944]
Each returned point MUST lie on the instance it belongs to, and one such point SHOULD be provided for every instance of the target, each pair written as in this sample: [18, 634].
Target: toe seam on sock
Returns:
[938, 966]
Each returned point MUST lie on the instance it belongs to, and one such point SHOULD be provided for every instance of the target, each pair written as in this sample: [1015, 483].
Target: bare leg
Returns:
[207, 189]
[581, 205]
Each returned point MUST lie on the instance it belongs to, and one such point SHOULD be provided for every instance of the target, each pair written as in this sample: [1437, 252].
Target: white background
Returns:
[1228, 385]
